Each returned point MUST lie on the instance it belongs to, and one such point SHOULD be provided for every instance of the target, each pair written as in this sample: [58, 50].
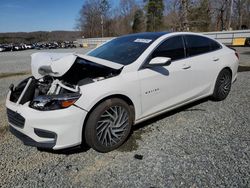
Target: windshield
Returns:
[125, 50]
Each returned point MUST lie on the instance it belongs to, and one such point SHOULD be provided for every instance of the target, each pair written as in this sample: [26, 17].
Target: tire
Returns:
[222, 85]
[109, 125]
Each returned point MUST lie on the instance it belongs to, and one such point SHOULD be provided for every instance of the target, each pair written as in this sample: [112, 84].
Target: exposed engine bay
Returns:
[52, 92]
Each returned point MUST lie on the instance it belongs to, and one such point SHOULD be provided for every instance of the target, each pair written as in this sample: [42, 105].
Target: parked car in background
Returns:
[28, 46]
[6, 47]
[2, 48]
[16, 47]
[96, 98]
[38, 46]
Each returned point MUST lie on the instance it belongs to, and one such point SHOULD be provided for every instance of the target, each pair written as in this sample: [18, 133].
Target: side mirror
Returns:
[159, 61]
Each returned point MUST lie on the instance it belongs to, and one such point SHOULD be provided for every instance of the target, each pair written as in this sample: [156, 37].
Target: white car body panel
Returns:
[152, 91]
[67, 123]
[54, 60]
[97, 91]
[60, 63]
[159, 86]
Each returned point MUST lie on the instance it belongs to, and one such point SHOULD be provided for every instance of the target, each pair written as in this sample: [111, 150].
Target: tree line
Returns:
[98, 18]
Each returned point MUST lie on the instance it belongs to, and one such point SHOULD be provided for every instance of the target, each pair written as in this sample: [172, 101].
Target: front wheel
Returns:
[222, 85]
[108, 125]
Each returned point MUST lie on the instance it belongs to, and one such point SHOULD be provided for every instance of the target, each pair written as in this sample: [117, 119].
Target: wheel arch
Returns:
[214, 85]
[228, 68]
[120, 96]
[223, 68]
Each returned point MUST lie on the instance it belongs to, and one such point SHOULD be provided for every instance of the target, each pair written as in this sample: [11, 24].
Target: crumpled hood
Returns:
[57, 64]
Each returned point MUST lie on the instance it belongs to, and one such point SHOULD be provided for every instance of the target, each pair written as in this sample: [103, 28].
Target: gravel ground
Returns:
[205, 144]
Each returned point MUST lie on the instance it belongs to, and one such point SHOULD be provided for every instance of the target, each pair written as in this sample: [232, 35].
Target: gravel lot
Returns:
[205, 144]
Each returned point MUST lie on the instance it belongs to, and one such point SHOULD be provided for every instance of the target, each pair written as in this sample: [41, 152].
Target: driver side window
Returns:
[172, 47]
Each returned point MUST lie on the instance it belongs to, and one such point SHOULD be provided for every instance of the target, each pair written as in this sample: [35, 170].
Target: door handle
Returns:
[216, 59]
[186, 67]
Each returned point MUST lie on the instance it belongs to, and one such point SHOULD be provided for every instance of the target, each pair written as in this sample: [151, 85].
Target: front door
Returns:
[166, 86]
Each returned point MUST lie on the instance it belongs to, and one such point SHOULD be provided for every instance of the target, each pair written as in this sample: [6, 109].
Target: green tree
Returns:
[154, 10]
[138, 21]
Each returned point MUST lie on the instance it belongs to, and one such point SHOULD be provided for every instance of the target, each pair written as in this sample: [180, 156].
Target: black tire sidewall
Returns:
[216, 96]
[90, 129]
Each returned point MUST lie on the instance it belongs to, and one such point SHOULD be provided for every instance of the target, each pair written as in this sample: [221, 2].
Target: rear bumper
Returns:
[57, 129]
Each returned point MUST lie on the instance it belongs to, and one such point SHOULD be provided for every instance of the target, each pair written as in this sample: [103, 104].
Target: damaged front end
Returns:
[57, 79]
[46, 93]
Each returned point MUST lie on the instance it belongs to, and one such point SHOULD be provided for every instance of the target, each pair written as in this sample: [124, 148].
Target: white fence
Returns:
[225, 37]
[88, 42]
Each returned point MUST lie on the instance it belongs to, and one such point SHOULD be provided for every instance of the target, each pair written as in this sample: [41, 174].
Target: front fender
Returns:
[94, 92]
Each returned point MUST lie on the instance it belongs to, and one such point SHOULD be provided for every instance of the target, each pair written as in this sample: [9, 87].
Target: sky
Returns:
[38, 15]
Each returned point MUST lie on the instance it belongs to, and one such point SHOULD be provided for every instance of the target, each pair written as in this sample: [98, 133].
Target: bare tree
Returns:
[97, 20]
[220, 10]
[184, 15]
[127, 11]
[230, 14]
[138, 22]
[199, 15]
[172, 19]
[93, 16]
[241, 10]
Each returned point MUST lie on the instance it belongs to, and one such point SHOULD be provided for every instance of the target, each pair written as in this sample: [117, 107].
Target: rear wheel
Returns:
[108, 125]
[222, 85]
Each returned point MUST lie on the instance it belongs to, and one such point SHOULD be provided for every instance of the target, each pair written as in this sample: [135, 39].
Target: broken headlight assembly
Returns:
[54, 102]
[54, 95]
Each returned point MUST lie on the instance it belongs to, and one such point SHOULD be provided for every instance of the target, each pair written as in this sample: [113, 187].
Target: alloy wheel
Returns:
[112, 125]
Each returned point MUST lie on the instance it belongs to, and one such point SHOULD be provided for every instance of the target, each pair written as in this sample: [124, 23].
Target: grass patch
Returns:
[11, 74]
[3, 129]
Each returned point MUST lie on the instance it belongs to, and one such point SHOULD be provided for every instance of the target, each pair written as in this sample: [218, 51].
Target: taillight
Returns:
[237, 55]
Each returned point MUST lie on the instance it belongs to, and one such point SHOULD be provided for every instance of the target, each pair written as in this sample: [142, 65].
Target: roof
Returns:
[148, 35]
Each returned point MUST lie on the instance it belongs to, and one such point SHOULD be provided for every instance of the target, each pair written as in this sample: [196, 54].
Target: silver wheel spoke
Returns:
[112, 125]
[100, 134]
[102, 124]
[225, 84]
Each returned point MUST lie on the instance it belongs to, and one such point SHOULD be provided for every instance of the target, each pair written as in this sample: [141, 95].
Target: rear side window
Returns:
[198, 45]
[172, 47]
[214, 45]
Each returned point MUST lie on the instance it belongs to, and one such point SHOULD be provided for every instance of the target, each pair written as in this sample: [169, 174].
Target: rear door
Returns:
[203, 57]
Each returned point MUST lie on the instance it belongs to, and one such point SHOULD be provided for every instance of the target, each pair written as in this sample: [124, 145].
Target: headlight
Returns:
[54, 102]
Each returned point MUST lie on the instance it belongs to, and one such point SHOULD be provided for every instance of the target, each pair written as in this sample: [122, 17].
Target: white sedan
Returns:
[95, 98]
